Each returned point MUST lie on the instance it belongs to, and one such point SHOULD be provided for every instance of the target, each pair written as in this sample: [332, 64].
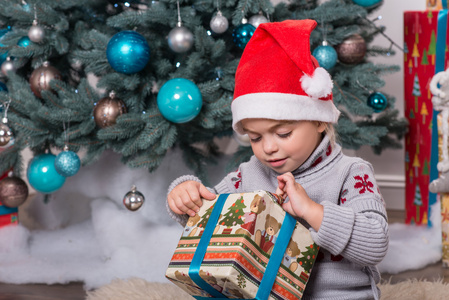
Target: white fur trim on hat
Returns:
[279, 106]
[319, 85]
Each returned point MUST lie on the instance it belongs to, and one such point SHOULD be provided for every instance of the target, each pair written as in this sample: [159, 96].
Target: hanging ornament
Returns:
[242, 139]
[108, 109]
[24, 42]
[36, 33]
[242, 34]
[325, 55]
[180, 39]
[67, 163]
[13, 191]
[6, 134]
[179, 100]
[42, 174]
[3, 55]
[258, 19]
[41, 77]
[134, 199]
[352, 50]
[8, 66]
[377, 101]
[128, 52]
[219, 23]
[366, 3]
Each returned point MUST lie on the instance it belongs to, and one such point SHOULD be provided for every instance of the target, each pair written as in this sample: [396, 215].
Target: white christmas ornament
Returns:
[36, 33]
[180, 39]
[219, 23]
[256, 20]
[8, 66]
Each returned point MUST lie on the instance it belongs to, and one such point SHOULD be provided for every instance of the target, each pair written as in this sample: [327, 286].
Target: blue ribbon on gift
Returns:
[4, 210]
[269, 277]
[439, 67]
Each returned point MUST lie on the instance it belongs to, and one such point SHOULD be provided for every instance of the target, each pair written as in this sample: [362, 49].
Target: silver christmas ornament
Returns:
[134, 199]
[256, 20]
[180, 39]
[8, 66]
[5, 133]
[36, 33]
[219, 23]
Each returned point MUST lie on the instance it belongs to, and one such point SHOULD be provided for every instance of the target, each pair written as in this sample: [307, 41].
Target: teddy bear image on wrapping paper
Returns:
[243, 241]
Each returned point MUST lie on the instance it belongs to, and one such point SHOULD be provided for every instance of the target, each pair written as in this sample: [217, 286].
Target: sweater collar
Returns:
[322, 155]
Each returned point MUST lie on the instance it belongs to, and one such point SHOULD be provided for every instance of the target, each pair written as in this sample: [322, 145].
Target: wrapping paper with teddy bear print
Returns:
[240, 248]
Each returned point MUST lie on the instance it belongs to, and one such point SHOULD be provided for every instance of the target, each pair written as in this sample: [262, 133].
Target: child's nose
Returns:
[270, 146]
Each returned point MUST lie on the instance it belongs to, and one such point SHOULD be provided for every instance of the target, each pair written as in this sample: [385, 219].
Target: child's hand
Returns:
[299, 204]
[185, 198]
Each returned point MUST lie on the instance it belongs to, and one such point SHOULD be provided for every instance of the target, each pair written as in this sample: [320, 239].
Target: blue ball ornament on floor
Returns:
[366, 3]
[242, 34]
[377, 101]
[179, 100]
[128, 52]
[326, 56]
[42, 174]
[67, 163]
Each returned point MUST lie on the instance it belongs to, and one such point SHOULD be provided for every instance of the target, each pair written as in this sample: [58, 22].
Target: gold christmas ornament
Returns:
[107, 110]
[134, 199]
[5, 133]
[13, 191]
[352, 50]
[41, 77]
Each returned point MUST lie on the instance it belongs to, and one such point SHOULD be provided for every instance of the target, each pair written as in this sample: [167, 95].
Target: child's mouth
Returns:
[277, 162]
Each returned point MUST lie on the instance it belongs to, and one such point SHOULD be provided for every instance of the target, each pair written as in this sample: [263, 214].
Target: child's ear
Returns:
[321, 126]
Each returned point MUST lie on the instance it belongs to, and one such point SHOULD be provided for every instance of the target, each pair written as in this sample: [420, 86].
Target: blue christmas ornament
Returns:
[179, 100]
[128, 52]
[3, 87]
[67, 163]
[3, 54]
[42, 174]
[377, 101]
[24, 42]
[366, 3]
[326, 56]
[242, 34]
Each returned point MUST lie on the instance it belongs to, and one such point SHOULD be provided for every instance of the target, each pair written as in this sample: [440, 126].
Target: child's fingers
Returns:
[206, 194]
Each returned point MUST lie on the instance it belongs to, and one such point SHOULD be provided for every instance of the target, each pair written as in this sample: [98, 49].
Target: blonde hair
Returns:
[331, 133]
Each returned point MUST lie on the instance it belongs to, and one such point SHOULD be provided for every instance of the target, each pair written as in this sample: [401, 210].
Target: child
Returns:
[283, 101]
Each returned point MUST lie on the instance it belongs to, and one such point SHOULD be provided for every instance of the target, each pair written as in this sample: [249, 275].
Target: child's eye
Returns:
[284, 135]
[256, 139]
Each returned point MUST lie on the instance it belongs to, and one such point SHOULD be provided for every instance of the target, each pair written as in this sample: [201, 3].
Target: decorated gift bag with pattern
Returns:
[243, 246]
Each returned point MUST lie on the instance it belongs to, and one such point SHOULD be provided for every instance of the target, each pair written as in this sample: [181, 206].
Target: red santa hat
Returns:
[278, 78]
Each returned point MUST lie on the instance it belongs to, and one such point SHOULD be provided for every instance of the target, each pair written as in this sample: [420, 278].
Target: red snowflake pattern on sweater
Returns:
[237, 180]
[363, 184]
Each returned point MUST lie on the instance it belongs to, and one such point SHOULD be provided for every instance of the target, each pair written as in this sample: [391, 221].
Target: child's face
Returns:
[283, 145]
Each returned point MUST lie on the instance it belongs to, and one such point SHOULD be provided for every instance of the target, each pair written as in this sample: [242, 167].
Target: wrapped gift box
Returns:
[425, 54]
[8, 215]
[242, 246]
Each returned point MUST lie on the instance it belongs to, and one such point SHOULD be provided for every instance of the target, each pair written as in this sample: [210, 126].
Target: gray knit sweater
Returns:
[354, 232]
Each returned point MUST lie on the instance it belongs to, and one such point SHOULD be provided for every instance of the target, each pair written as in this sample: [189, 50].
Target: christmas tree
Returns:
[140, 77]
[234, 214]
[308, 257]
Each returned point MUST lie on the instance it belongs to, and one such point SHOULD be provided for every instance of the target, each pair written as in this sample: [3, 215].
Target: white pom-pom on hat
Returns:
[319, 85]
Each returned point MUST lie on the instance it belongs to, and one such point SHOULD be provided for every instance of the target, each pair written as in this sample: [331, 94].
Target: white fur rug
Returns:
[139, 289]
